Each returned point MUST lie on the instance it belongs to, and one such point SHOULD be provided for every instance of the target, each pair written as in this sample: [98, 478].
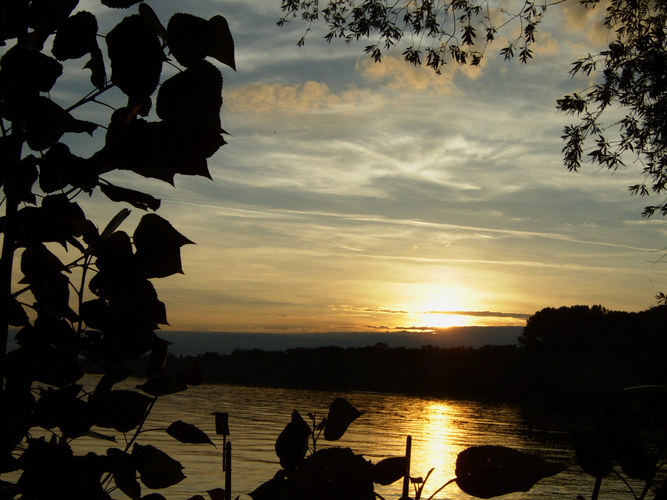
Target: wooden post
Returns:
[406, 477]
[228, 471]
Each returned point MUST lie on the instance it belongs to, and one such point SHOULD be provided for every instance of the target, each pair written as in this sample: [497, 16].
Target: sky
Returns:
[359, 196]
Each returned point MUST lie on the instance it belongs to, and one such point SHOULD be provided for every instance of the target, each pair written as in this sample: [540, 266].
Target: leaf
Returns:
[116, 222]
[292, 442]
[158, 247]
[163, 386]
[137, 199]
[100, 436]
[119, 409]
[187, 433]
[46, 122]
[136, 57]
[156, 468]
[216, 494]
[124, 472]
[120, 4]
[222, 46]
[17, 315]
[592, 453]
[341, 415]
[389, 470]
[98, 72]
[189, 38]
[151, 18]
[38, 264]
[75, 37]
[24, 73]
[490, 471]
[59, 168]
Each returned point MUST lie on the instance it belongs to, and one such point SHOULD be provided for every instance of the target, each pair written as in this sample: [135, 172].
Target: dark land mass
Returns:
[578, 354]
[193, 343]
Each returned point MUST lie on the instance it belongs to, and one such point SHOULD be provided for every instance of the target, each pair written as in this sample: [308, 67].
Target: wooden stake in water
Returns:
[228, 471]
[222, 429]
[406, 477]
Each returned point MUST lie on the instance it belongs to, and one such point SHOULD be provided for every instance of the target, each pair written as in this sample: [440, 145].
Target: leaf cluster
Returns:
[631, 80]
[101, 303]
[429, 32]
[336, 472]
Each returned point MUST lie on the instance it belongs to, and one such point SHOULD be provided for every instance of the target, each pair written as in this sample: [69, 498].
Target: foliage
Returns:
[634, 84]
[114, 310]
[629, 76]
[631, 437]
[336, 472]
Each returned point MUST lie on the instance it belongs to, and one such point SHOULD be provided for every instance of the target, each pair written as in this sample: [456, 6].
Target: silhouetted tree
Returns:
[114, 310]
[629, 76]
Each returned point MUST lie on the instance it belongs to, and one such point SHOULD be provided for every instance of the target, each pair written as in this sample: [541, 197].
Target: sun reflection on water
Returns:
[434, 446]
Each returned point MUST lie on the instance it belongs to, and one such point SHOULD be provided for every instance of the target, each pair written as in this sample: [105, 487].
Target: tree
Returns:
[114, 311]
[631, 74]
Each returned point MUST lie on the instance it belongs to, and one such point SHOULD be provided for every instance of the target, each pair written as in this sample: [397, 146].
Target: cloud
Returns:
[311, 96]
[483, 314]
[396, 74]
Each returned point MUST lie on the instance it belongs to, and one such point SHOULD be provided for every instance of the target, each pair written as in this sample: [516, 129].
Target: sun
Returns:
[440, 307]
[438, 319]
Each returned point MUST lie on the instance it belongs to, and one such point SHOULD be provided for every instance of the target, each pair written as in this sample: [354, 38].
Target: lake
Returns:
[440, 429]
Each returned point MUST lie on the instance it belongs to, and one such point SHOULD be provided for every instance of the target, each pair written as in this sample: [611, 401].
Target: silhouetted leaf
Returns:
[62, 408]
[45, 16]
[120, 409]
[389, 470]
[162, 386]
[38, 263]
[490, 471]
[341, 415]
[331, 474]
[187, 433]
[46, 122]
[136, 57]
[151, 18]
[189, 38]
[137, 199]
[75, 37]
[201, 85]
[21, 180]
[59, 168]
[17, 315]
[116, 222]
[23, 74]
[292, 442]
[156, 468]
[274, 488]
[95, 313]
[98, 72]
[216, 494]
[222, 47]
[592, 453]
[45, 364]
[120, 4]
[124, 472]
[158, 247]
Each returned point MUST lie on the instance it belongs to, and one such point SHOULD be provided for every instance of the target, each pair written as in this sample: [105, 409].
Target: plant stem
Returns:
[596, 488]
[441, 488]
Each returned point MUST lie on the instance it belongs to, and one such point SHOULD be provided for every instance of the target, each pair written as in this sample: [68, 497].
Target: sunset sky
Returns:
[355, 196]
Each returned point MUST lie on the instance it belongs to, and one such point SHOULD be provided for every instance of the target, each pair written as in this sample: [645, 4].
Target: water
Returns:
[440, 429]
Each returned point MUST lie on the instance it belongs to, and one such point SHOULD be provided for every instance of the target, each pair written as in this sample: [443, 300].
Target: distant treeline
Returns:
[566, 353]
